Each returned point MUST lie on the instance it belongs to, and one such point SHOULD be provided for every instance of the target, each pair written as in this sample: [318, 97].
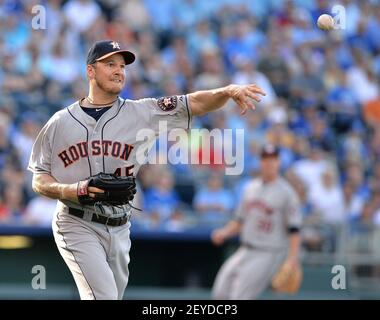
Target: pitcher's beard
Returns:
[110, 90]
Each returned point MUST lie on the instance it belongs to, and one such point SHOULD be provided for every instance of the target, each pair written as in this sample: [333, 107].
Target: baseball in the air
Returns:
[325, 22]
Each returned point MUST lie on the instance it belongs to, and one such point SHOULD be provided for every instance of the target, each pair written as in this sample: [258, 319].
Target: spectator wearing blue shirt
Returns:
[342, 104]
[213, 203]
[161, 201]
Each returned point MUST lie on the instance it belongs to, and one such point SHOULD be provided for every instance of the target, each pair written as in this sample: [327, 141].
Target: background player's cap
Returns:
[269, 150]
[103, 49]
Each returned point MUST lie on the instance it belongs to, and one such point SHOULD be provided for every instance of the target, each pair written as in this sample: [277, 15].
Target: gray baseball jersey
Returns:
[73, 146]
[266, 211]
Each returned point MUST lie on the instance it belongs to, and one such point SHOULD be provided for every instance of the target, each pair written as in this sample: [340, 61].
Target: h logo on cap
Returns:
[115, 45]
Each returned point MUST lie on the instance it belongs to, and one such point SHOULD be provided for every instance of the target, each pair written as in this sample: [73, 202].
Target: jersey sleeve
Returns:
[167, 113]
[40, 158]
[241, 209]
[293, 210]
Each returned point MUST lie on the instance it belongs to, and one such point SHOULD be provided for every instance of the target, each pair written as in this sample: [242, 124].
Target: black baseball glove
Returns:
[117, 190]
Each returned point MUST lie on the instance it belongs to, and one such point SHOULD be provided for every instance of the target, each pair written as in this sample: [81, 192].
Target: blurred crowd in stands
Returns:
[322, 106]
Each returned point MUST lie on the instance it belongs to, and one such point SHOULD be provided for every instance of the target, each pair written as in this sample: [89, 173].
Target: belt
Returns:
[260, 248]
[114, 222]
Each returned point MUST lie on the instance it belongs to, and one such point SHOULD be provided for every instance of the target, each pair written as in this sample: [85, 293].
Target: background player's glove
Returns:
[288, 278]
[117, 190]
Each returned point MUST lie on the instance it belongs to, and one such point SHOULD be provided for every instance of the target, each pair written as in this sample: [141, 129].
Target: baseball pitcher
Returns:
[268, 219]
[86, 156]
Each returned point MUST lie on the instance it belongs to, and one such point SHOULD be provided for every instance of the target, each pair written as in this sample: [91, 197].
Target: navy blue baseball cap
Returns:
[106, 48]
[269, 150]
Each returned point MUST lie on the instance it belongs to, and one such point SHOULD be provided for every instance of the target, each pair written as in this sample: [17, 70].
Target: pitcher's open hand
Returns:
[244, 94]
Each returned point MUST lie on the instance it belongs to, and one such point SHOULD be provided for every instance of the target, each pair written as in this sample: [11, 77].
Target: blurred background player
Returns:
[268, 219]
